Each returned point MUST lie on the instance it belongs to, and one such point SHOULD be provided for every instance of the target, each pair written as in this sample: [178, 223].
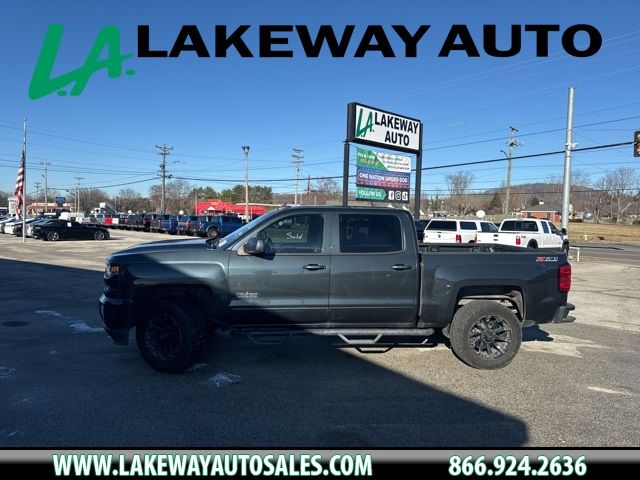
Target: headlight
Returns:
[111, 270]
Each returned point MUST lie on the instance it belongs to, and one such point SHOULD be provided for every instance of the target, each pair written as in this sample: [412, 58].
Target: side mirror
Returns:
[563, 231]
[254, 246]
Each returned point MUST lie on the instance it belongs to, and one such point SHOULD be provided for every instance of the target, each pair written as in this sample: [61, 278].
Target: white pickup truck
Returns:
[527, 232]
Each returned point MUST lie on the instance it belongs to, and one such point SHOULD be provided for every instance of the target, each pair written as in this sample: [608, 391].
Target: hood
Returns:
[165, 251]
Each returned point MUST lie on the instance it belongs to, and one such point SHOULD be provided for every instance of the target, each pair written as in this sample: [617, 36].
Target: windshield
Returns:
[230, 239]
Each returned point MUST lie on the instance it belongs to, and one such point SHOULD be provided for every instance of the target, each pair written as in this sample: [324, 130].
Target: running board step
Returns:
[278, 336]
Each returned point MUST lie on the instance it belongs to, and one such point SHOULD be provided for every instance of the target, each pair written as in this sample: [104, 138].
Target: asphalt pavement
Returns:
[63, 383]
[624, 253]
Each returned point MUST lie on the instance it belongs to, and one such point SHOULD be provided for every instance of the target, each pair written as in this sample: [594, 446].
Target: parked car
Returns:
[39, 221]
[453, 230]
[169, 225]
[132, 222]
[17, 227]
[529, 232]
[156, 223]
[146, 221]
[61, 230]
[420, 226]
[218, 226]
[351, 272]
[11, 224]
[185, 224]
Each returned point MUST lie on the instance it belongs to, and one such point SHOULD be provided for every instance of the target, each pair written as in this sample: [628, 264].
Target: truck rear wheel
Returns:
[169, 336]
[485, 334]
[212, 232]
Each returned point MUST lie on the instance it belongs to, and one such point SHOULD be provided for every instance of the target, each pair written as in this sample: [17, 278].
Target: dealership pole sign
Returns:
[382, 177]
[379, 128]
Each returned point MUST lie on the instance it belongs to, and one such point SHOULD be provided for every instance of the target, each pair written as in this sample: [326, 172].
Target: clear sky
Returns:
[207, 108]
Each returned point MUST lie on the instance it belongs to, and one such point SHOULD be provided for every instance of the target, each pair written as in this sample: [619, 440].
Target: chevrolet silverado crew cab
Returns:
[527, 232]
[357, 273]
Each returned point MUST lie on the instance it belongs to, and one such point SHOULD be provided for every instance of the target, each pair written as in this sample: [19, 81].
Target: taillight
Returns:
[475, 238]
[188, 224]
[564, 278]
[458, 238]
[518, 241]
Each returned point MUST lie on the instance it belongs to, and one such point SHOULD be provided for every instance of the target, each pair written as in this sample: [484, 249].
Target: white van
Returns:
[453, 230]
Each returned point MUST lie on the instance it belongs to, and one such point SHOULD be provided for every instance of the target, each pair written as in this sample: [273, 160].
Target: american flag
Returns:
[19, 193]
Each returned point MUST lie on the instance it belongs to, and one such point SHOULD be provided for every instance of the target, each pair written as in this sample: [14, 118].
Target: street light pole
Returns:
[245, 149]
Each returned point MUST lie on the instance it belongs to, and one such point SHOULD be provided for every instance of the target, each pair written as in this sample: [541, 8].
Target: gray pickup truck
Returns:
[357, 273]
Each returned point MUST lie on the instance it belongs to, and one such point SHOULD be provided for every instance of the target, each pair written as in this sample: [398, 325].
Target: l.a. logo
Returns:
[362, 131]
[43, 84]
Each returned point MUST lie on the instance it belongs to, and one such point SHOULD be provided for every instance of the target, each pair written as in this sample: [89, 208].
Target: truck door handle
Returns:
[314, 266]
[399, 266]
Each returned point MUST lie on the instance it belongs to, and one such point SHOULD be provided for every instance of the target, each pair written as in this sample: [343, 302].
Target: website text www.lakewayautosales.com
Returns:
[213, 465]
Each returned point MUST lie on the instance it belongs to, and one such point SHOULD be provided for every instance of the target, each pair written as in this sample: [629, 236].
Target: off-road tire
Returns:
[169, 335]
[472, 342]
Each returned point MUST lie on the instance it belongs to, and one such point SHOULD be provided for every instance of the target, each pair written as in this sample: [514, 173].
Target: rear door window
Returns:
[488, 227]
[529, 226]
[509, 226]
[442, 225]
[362, 233]
[545, 227]
[468, 226]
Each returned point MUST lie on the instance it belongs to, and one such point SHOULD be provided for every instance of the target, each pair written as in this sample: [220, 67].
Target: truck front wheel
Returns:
[485, 334]
[169, 336]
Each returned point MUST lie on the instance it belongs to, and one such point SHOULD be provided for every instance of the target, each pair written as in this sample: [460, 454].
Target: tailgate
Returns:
[435, 236]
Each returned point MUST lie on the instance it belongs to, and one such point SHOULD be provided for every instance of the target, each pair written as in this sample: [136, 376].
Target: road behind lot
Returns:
[63, 383]
[625, 253]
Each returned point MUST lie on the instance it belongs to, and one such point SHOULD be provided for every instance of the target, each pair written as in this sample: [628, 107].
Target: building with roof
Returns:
[214, 206]
[543, 212]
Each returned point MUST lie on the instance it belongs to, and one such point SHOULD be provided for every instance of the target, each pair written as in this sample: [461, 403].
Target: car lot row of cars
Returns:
[96, 226]
[212, 226]
[52, 229]
[519, 232]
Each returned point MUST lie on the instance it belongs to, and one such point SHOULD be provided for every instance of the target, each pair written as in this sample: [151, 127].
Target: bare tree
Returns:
[325, 189]
[178, 196]
[129, 199]
[623, 185]
[460, 200]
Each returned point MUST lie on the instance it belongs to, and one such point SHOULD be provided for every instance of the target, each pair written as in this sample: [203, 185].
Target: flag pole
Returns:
[24, 184]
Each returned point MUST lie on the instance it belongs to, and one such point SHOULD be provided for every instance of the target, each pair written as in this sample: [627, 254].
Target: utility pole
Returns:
[512, 143]
[164, 151]
[37, 185]
[78, 180]
[308, 189]
[568, 148]
[245, 149]
[195, 205]
[46, 189]
[297, 160]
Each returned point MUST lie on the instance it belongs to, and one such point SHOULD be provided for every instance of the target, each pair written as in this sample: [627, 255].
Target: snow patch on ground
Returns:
[561, 345]
[223, 379]
[50, 313]
[609, 391]
[197, 366]
[81, 327]
[6, 372]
